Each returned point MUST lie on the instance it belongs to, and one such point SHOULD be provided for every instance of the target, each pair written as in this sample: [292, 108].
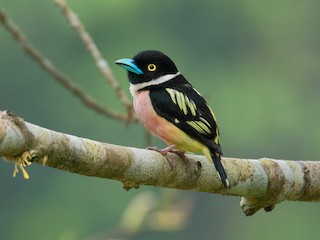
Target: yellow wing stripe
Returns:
[172, 95]
[182, 106]
[185, 104]
[193, 108]
[179, 100]
[204, 127]
[216, 139]
[205, 121]
[187, 101]
[195, 126]
[199, 127]
[214, 117]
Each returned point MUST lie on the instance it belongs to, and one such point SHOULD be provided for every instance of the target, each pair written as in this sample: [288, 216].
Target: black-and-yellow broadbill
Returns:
[171, 109]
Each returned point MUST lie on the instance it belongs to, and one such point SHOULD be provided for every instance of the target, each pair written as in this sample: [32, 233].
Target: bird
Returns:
[171, 109]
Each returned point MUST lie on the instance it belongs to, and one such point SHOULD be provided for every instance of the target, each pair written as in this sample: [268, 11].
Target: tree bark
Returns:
[262, 183]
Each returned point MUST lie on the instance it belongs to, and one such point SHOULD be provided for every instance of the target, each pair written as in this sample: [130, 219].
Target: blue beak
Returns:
[128, 64]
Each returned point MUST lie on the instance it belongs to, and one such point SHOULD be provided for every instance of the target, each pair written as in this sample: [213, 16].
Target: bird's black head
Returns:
[147, 65]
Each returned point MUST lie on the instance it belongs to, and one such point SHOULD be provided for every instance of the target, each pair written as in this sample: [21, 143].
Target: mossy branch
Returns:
[262, 183]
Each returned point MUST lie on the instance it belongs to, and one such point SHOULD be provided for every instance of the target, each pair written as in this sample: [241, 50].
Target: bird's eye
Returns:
[152, 67]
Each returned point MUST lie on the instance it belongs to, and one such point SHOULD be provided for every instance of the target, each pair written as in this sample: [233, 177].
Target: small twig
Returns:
[45, 63]
[101, 62]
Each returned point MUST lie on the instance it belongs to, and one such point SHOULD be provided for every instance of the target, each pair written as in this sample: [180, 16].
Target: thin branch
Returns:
[47, 65]
[262, 183]
[101, 62]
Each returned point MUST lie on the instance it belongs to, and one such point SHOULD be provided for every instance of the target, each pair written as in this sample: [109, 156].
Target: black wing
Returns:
[183, 106]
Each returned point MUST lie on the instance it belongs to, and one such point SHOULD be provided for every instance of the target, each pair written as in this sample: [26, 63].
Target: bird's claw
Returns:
[182, 155]
[164, 152]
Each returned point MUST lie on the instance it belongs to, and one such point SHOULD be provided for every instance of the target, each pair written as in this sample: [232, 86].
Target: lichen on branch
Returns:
[262, 183]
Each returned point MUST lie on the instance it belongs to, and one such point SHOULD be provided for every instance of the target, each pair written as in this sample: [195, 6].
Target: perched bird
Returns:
[171, 109]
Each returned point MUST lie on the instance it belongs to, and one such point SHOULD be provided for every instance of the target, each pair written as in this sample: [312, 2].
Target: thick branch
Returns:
[262, 183]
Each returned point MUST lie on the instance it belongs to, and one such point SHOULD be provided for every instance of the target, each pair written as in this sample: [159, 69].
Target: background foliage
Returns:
[257, 62]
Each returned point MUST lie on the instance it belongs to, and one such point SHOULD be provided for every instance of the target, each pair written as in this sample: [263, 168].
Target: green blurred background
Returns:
[257, 63]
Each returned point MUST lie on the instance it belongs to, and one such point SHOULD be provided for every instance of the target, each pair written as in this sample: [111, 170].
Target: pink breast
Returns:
[155, 124]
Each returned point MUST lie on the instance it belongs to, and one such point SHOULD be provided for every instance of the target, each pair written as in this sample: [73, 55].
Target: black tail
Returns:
[220, 169]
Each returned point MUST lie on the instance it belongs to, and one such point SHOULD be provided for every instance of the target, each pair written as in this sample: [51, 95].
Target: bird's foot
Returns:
[165, 151]
[182, 155]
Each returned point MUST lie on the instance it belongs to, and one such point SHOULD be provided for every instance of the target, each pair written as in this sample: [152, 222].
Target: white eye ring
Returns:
[152, 67]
